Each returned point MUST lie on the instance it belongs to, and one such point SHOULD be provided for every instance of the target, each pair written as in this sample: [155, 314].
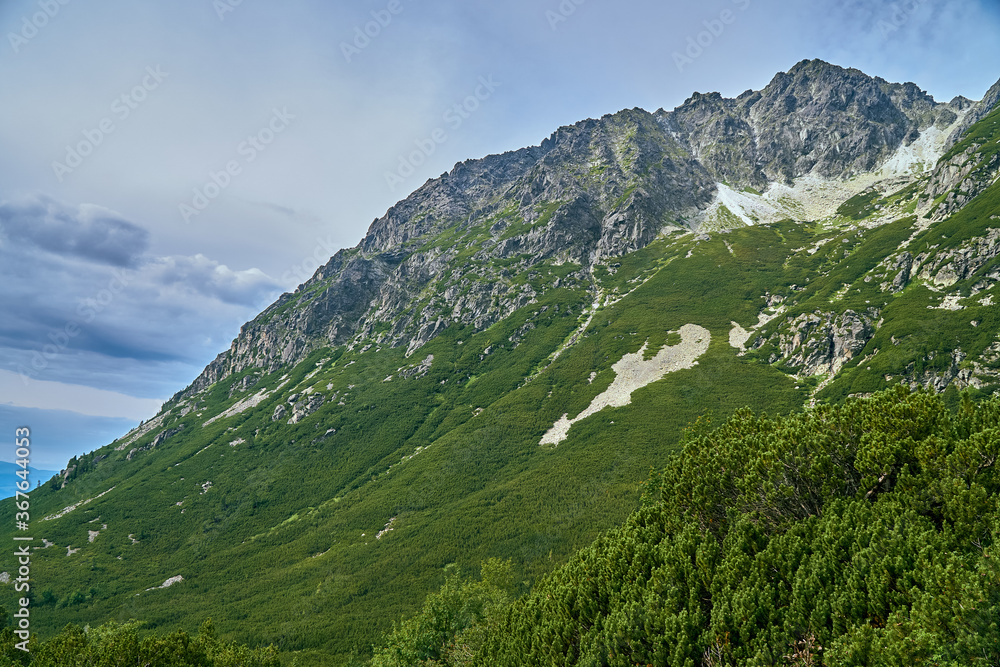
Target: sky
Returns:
[168, 168]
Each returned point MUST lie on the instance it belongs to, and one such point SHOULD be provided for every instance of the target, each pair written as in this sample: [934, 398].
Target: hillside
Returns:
[861, 534]
[494, 369]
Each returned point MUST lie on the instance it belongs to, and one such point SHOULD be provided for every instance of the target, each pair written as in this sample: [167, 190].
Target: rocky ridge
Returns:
[467, 248]
[970, 167]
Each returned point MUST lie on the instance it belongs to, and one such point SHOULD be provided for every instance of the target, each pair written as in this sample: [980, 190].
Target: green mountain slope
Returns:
[389, 421]
[861, 534]
[452, 458]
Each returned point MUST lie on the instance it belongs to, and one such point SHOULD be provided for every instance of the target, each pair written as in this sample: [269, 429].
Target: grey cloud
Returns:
[211, 279]
[87, 232]
[121, 315]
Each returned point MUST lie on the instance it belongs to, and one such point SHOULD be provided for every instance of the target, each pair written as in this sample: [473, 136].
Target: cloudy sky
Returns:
[168, 168]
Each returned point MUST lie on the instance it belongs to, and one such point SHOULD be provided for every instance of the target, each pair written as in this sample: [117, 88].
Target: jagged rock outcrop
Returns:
[304, 406]
[418, 371]
[160, 438]
[816, 117]
[166, 434]
[959, 371]
[821, 342]
[904, 264]
[719, 134]
[245, 384]
[966, 170]
[819, 117]
[944, 269]
[978, 111]
[596, 189]
[960, 178]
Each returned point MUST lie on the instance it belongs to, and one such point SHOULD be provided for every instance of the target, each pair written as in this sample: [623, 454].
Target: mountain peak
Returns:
[816, 65]
[977, 112]
[596, 189]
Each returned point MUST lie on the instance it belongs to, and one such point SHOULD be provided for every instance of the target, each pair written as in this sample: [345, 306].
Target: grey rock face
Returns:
[305, 407]
[418, 371]
[975, 375]
[451, 252]
[978, 111]
[905, 265]
[817, 116]
[166, 434]
[160, 438]
[247, 383]
[960, 178]
[944, 269]
[839, 122]
[821, 343]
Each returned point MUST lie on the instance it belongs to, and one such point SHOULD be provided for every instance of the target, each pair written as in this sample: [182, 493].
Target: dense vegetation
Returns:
[121, 644]
[860, 534]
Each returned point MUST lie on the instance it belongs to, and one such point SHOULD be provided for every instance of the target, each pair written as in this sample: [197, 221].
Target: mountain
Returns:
[595, 190]
[494, 369]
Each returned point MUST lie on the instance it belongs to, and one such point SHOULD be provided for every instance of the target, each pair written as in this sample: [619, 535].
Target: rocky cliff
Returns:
[815, 117]
[969, 167]
[978, 111]
[461, 249]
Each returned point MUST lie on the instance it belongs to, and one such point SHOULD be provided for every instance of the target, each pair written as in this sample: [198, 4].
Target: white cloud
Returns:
[88, 232]
[206, 277]
[84, 304]
[16, 391]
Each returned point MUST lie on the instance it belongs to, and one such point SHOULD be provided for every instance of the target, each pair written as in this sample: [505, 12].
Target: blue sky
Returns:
[167, 169]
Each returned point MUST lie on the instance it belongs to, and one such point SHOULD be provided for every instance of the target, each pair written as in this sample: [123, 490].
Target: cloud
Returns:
[206, 277]
[99, 323]
[88, 232]
[41, 394]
